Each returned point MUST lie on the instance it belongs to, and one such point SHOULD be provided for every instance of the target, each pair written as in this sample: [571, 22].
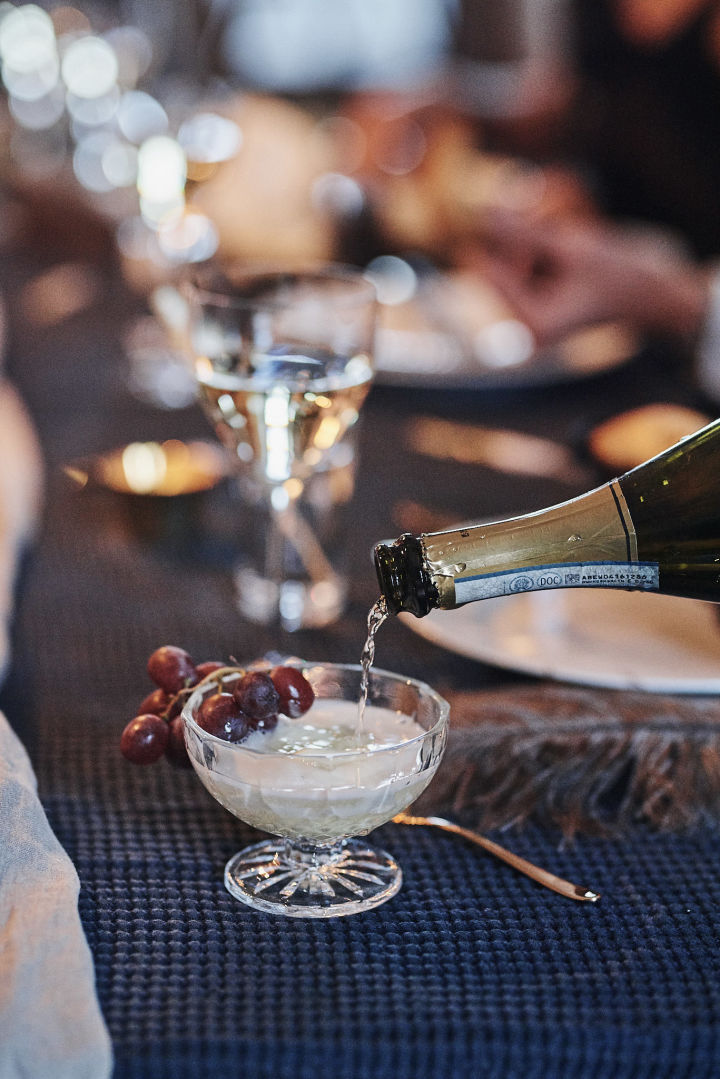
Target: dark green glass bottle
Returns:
[654, 529]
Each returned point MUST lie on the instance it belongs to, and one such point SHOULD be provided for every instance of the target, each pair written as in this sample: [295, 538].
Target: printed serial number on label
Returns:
[643, 576]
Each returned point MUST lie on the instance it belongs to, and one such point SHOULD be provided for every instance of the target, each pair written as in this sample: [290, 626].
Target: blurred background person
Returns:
[646, 118]
[646, 122]
[561, 275]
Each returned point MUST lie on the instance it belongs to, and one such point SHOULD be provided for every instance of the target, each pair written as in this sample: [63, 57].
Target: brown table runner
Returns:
[588, 760]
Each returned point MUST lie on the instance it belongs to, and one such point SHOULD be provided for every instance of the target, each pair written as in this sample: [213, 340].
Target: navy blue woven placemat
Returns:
[472, 970]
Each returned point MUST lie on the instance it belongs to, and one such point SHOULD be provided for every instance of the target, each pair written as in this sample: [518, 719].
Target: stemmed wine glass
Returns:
[318, 800]
[284, 362]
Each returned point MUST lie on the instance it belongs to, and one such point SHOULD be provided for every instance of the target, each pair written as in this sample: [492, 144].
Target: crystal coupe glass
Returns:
[318, 801]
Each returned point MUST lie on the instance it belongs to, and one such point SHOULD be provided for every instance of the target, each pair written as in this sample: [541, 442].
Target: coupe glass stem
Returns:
[306, 855]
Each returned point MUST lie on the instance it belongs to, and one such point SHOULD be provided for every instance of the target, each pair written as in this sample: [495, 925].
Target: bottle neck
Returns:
[483, 560]
[589, 541]
[403, 575]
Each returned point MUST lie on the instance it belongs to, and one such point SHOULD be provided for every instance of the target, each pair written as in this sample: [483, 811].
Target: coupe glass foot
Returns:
[303, 881]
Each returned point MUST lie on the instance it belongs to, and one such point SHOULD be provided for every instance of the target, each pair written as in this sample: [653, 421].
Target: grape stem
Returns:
[213, 676]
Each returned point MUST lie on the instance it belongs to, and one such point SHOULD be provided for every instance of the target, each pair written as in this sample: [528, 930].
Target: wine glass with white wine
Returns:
[284, 362]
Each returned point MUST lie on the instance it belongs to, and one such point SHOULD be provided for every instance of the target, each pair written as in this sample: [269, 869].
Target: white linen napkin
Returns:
[21, 486]
[51, 1026]
[50, 1021]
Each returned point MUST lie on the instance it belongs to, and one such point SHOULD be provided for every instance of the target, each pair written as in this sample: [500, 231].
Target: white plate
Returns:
[620, 640]
[457, 333]
[435, 359]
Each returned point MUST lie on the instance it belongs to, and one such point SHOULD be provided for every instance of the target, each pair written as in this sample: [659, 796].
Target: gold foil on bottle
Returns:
[596, 527]
[624, 512]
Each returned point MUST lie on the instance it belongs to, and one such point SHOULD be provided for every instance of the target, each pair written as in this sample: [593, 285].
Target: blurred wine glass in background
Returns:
[284, 362]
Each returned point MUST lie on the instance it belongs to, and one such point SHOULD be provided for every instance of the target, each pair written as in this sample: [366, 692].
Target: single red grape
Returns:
[145, 739]
[255, 695]
[210, 665]
[171, 668]
[296, 693]
[155, 703]
[176, 750]
[219, 715]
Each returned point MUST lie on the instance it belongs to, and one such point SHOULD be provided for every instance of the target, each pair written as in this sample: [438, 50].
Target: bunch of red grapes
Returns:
[245, 700]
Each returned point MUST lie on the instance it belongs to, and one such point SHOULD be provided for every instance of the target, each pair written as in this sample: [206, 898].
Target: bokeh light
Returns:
[133, 52]
[92, 111]
[27, 38]
[119, 163]
[88, 161]
[89, 67]
[394, 279]
[40, 113]
[209, 138]
[190, 237]
[162, 171]
[140, 116]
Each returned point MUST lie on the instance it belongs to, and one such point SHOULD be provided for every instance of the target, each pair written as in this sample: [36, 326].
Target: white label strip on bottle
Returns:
[632, 575]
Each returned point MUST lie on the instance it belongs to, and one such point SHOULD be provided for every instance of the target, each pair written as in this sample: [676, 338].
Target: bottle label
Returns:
[642, 576]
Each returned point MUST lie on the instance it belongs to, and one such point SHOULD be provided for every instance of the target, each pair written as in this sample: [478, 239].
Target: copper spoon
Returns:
[542, 876]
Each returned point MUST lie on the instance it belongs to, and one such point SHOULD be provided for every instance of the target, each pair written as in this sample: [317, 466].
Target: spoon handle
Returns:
[542, 876]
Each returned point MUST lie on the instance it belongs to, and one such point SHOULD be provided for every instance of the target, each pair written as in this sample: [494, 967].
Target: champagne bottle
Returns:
[653, 529]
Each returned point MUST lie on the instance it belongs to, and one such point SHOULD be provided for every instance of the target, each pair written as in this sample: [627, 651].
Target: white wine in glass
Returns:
[284, 362]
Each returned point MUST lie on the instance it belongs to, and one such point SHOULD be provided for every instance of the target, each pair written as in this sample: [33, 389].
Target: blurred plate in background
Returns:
[455, 331]
[615, 639]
